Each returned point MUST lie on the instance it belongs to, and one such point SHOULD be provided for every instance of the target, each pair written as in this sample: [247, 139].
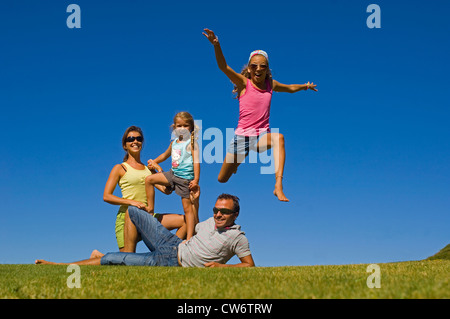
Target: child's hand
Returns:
[153, 166]
[211, 36]
[311, 86]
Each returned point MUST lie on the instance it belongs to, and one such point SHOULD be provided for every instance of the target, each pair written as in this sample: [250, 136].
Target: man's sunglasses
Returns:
[133, 138]
[224, 211]
[255, 66]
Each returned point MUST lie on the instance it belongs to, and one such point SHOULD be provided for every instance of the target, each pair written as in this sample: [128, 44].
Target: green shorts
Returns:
[120, 226]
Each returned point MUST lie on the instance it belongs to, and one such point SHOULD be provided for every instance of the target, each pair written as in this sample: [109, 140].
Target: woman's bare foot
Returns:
[96, 254]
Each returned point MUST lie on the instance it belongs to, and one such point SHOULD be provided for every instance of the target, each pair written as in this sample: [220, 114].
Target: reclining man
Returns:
[216, 241]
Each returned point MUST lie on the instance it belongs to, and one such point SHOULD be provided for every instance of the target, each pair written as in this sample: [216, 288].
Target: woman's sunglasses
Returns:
[224, 211]
[134, 138]
[255, 66]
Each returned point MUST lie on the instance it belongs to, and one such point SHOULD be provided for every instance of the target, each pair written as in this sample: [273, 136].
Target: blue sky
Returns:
[367, 168]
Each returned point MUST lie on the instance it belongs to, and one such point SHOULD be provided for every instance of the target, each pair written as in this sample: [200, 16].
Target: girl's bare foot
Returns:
[278, 191]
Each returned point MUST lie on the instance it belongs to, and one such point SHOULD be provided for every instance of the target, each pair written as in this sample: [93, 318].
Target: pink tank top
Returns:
[254, 110]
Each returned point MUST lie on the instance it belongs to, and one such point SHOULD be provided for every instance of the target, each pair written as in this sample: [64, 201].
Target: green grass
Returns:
[444, 253]
[415, 279]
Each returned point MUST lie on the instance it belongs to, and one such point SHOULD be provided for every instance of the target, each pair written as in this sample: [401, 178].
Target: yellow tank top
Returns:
[132, 185]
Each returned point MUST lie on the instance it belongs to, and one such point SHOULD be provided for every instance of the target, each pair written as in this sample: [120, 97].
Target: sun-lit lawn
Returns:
[416, 279]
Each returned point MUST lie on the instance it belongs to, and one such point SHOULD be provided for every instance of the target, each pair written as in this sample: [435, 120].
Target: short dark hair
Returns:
[235, 200]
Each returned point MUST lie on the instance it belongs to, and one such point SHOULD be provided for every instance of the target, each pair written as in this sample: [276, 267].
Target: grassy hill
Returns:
[444, 254]
[415, 279]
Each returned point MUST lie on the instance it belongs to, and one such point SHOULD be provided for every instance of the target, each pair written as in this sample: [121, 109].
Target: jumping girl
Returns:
[254, 87]
[185, 172]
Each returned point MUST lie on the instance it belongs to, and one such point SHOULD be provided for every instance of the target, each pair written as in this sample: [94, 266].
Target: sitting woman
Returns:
[130, 176]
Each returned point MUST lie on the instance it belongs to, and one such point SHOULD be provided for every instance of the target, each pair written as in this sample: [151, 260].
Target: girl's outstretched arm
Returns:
[292, 88]
[238, 79]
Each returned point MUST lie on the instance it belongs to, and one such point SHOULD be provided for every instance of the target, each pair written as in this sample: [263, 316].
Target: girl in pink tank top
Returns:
[254, 87]
[254, 110]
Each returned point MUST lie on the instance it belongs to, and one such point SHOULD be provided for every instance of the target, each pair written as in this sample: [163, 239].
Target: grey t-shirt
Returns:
[213, 245]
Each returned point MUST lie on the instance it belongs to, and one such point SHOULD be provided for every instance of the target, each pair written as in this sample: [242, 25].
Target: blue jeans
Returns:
[163, 245]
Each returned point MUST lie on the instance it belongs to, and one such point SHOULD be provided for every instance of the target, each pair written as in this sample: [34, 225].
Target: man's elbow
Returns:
[249, 262]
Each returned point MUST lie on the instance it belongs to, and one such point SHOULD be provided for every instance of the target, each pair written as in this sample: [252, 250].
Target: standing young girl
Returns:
[254, 87]
[130, 176]
[185, 172]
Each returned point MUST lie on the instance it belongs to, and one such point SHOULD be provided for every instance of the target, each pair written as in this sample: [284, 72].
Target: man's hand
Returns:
[214, 265]
[193, 185]
[246, 261]
[194, 194]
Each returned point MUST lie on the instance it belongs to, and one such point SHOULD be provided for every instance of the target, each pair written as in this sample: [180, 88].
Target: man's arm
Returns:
[246, 261]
